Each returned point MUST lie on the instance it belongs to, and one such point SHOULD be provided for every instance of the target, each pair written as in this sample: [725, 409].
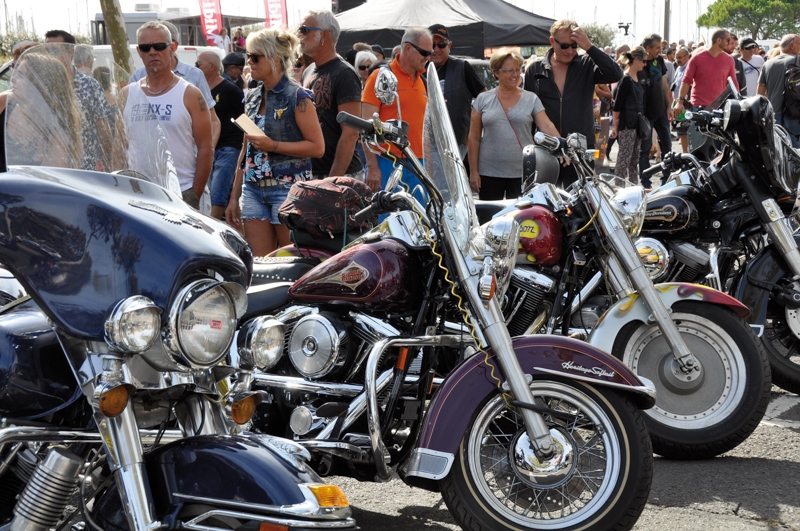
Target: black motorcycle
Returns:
[113, 379]
[729, 221]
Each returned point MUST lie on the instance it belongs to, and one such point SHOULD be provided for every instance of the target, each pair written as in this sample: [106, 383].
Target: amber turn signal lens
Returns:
[266, 526]
[242, 410]
[329, 495]
[113, 401]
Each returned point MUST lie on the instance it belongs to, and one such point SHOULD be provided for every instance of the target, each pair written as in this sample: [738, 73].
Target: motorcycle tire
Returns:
[602, 483]
[783, 349]
[700, 416]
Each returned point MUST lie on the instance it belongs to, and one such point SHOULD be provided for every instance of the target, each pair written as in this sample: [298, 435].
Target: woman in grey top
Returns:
[500, 126]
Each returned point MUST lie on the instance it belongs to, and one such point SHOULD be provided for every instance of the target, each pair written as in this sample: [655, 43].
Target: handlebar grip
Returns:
[652, 170]
[550, 143]
[359, 124]
[366, 213]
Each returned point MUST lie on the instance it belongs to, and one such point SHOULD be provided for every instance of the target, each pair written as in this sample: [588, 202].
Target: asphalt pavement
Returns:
[756, 486]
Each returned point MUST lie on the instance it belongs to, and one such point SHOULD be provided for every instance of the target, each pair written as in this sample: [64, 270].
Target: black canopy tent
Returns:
[473, 25]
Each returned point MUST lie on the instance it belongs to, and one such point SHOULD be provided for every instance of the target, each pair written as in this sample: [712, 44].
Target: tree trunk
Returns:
[115, 26]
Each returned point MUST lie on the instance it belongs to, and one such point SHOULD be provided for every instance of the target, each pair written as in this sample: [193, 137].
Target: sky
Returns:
[645, 17]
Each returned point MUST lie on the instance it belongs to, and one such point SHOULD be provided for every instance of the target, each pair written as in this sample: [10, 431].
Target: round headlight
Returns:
[134, 324]
[201, 323]
[631, 205]
[260, 343]
[502, 238]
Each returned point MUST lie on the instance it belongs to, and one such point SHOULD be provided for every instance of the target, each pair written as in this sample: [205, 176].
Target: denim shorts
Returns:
[225, 159]
[263, 203]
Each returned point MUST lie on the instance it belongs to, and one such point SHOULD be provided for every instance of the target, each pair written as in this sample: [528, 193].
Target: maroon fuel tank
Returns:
[382, 276]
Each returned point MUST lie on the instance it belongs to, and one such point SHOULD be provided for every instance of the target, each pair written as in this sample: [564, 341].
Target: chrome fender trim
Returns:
[429, 464]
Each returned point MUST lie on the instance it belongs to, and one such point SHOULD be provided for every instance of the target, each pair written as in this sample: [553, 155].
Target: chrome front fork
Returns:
[625, 262]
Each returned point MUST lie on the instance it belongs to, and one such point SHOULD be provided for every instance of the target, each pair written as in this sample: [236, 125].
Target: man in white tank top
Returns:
[163, 100]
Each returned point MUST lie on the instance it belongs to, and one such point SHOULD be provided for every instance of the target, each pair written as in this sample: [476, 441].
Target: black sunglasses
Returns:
[441, 44]
[159, 46]
[363, 67]
[423, 53]
[305, 29]
[254, 57]
[572, 45]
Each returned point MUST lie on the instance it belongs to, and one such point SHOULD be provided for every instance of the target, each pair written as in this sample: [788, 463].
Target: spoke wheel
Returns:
[711, 410]
[599, 476]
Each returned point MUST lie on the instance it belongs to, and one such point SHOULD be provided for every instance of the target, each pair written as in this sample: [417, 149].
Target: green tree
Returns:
[759, 19]
[601, 36]
[8, 40]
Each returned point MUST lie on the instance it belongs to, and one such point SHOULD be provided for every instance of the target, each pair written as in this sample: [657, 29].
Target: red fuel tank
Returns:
[540, 236]
[382, 276]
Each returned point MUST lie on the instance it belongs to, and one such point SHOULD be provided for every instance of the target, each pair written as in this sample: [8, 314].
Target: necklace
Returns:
[162, 91]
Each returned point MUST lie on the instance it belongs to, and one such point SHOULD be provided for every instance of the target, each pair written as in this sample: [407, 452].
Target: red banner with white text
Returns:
[276, 14]
[211, 20]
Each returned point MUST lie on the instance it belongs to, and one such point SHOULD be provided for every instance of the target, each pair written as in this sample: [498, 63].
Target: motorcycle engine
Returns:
[672, 261]
[523, 301]
[318, 345]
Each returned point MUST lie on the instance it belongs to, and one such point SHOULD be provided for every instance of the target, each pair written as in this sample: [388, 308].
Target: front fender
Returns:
[766, 268]
[252, 474]
[466, 388]
[633, 308]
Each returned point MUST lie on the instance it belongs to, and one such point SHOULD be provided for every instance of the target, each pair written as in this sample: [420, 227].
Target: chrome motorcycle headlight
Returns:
[133, 325]
[202, 322]
[261, 342]
[631, 205]
[501, 236]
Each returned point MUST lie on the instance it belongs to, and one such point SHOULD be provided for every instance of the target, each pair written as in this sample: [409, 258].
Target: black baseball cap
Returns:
[378, 48]
[748, 44]
[234, 59]
[438, 30]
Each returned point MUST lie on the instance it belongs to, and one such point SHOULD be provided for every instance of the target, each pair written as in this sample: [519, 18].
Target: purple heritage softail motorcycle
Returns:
[394, 357]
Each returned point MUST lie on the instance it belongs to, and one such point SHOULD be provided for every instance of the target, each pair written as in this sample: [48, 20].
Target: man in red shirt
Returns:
[417, 46]
[707, 73]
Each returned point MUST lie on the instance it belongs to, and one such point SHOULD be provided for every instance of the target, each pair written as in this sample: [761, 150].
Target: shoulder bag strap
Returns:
[509, 119]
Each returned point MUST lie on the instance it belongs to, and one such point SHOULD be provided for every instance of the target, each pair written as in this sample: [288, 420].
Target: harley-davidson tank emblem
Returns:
[597, 371]
[665, 213]
[351, 276]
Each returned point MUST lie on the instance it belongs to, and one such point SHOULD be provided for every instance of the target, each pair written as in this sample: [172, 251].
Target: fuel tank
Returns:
[381, 276]
[540, 236]
[680, 208]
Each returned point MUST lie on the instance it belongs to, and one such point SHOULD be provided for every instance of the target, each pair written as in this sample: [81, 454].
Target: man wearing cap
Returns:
[459, 81]
[233, 65]
[336, 88]
[752, 64]
[229, 100]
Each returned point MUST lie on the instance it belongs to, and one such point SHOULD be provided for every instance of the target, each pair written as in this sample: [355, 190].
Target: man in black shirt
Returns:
[657, 102]
[336, 88]
[229, 104]
[460, 84]
[234, 66]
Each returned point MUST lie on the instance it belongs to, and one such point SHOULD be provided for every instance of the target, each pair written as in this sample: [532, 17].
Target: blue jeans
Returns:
[661, 127]
[792, 125]
[386, 167]
[263, 203]
[221, 181]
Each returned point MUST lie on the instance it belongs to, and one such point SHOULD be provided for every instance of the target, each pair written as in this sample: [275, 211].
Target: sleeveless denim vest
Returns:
[279, 123]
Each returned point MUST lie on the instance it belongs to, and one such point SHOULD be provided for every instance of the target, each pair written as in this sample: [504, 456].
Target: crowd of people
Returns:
[292, 84]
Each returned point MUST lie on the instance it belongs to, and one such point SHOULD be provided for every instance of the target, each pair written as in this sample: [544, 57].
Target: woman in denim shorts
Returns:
[270, 163]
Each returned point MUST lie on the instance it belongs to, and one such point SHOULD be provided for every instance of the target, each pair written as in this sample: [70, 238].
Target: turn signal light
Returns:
[329, 495]
[242, 410]
[113, 401]
[266, 526]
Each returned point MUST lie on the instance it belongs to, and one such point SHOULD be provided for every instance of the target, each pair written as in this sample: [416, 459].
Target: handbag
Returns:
[644, 129]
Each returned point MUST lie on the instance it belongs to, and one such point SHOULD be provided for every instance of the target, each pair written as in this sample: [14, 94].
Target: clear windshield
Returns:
[443, 164]
[68, 110]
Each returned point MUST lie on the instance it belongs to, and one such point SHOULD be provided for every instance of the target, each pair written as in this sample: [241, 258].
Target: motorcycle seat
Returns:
[266, 299]
[304, 239]
[267, 270]
[487, 209]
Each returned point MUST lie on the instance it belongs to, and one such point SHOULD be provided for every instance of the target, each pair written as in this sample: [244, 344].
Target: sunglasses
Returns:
[423, 53]
[302, 30]
[572, 45]
[441, 44]
[750, 46]
[159, 46]
[255, 57]
[364, 67]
